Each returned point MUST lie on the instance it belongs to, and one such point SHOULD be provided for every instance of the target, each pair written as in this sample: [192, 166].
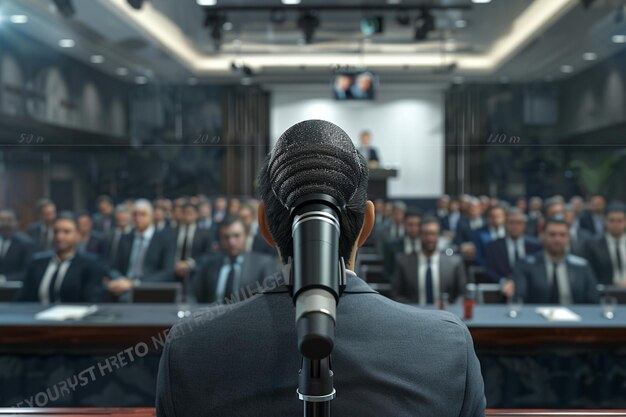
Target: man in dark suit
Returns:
[468, 224]
[495, 229]
[192, 242]
[502, 254]
[369, 152]
[578, 235]
[254, 240]
[593, 220]
[225, 274]
[42, 231]
[91, 241]
[535, 216]
[143, 255]
[16, 248]
[123, 226]
[554, 276]
[63, 275]
[423, 276]
[607, 254]
[406, 245]
[389, 359]
[104, 219]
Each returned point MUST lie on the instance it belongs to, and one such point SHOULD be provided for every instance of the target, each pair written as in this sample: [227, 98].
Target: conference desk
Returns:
[149, 412]
[527, 362]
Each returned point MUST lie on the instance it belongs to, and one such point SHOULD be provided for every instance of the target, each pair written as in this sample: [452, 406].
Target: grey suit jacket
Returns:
[451, 276]
[389, 359]
[254, 269]
[532, 285]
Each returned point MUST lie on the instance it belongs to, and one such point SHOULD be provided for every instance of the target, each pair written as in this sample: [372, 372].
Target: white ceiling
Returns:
[167, 42]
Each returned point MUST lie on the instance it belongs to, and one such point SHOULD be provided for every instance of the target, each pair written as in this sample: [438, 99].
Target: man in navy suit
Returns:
[16, 248]
[593, 220]
[64, 274]
[91, 241]
[553, 276]
[607, 253]
[192, 242]
[42, 231]
[494, 230]
[143, 255]
[502, 254]
[389, 359]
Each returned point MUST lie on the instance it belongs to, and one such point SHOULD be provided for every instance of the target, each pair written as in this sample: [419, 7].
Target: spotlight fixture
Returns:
[424, 24]
[215, 21]
[308, 23]
[64, 7]
[135, 4]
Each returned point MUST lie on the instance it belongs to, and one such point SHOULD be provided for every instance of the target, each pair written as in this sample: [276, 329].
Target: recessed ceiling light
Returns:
[394, 1]
[567, 69]
[67, 43]
[227, 26]
[96, 59]
[590, 56]
[18, 19]
[140, 79]
[619, 38]
[291, 2]
[121, 71]
[481, 1]
[461, 23]
[206, 2]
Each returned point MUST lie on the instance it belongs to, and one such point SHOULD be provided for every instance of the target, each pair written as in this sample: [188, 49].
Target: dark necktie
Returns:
[430, 292]
[618, 257]
[516, 253]
[555, 296]
[183, 252]
[52, 287]
[230, 280]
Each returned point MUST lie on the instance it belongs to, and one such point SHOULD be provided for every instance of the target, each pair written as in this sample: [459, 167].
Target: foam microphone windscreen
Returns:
[315, 156]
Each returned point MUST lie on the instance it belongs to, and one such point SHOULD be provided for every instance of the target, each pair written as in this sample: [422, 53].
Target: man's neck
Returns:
[556, 257]
[63, 255]
[617, 236]
[428, 253]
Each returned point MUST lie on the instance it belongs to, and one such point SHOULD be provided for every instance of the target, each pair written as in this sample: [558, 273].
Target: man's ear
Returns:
[263, 225]
[368, 223]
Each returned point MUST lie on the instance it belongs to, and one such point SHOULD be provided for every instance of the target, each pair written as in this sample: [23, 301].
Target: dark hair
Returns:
[43, 202]
[67, 215]
[189, 205]
[412, 213]
[496, 207]
[314, 156]
[616, 206]
[80, 214]
[104, 198]
[555, 220]
[430, 220]
[229, 221]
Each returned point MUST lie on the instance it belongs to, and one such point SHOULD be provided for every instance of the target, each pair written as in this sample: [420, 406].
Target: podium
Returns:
[377, 187]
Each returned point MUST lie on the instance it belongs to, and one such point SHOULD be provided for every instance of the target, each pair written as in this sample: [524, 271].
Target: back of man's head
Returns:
[314, 156]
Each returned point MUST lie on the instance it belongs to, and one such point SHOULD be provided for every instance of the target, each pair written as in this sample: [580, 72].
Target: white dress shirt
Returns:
[44, 286]
[422, 264]
[191, 231]
[510, 247]
[411, 245]
[139, 246]
[621, 243]
[497, 232]
[565, 296]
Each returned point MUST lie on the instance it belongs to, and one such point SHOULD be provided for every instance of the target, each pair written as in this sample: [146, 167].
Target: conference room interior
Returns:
[494, 134]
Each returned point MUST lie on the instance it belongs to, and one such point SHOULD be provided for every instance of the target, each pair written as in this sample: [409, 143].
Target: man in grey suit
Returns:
[422, 277]
[223, 275]
[389, 359]
[554, 276]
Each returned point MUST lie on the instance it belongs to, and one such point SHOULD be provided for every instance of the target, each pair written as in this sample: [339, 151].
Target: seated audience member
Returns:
[593, 220]
[192, 242]
[395, 228]
[123, 226]
[104, 219]
[16, 248]
[63, 274]
[607, 254]
[91, 241]
[178, 212]
[502, 254]
[143, 255]
[442, 207]
[389, 359]
[494, 230]
[160, 221]
[472, 222]
[553, 276]
[535, 210]
[408, 244]
[234, 204]
[254, 239]
[221, 204]
[578, 235]
[450, 222]
[42, 231]
[553, 207]
[224, 274]
[522, 204]
[578, 205]
[205, 216]
[423, 276]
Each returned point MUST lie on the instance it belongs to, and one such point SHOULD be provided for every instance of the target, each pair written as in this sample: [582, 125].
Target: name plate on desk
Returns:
[66, 312]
